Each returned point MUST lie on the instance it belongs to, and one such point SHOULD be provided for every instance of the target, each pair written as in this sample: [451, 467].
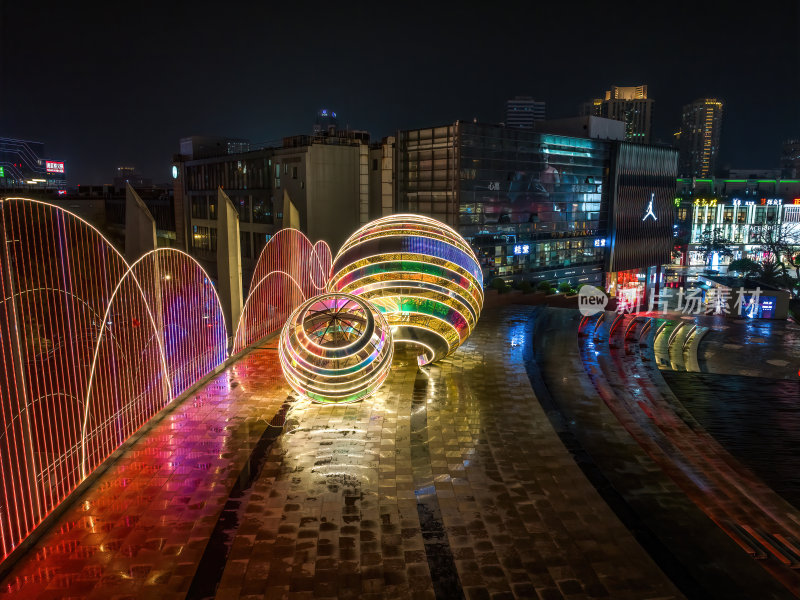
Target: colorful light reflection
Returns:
[90, 349]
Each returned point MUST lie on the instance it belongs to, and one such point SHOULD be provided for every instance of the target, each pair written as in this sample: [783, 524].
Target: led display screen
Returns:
[642, 208]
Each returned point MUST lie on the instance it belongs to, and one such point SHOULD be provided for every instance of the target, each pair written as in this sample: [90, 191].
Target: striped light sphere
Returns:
[336, 348]
[422, 276]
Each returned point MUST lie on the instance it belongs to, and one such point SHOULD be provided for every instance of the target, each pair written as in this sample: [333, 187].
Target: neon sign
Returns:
[650, 212]
[522, 249]
[54, 166]
[600, 243]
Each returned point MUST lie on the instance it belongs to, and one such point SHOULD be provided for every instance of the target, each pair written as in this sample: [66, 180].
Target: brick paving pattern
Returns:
[335, 508]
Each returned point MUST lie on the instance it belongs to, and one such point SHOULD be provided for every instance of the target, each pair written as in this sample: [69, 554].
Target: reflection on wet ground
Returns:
[756, 348]
[449, 480]
[142, 528]
[754, 418]
[437, 545]
[703, 507]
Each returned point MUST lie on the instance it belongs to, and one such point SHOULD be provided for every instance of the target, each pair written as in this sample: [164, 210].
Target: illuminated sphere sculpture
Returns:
[421, 274]
[336, 348]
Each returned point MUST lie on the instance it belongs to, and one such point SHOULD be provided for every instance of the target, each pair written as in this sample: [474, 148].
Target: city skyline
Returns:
[140, 80]
[399, 300]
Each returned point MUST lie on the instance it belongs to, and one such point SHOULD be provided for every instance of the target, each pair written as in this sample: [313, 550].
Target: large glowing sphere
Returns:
[421, 274]
[336, 348]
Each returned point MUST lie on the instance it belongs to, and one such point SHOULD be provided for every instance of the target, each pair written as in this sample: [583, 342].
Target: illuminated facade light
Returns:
[421, 274]
[336, 348]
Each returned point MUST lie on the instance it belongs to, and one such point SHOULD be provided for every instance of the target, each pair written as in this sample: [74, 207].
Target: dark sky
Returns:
[105, 84]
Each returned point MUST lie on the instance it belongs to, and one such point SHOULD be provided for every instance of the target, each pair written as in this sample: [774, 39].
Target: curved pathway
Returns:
[749, 512]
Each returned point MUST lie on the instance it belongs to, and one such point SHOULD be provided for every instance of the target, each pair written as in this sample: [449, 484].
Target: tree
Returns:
[780, 242]
[713, 241]
[770, 272]
[745, 266]
[500, 285]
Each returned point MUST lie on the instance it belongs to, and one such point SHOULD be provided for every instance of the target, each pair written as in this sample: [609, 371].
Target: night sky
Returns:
[120, 84]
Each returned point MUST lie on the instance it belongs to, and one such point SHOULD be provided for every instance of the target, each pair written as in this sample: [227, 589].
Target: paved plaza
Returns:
[450, 482]
[550, 457]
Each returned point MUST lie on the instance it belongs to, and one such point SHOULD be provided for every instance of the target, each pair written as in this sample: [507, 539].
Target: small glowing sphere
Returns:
[421, 274]
[336, 348]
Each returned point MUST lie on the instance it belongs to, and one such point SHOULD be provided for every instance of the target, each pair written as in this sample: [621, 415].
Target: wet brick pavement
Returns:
[449, 480]
[688, 544]
[754, 418]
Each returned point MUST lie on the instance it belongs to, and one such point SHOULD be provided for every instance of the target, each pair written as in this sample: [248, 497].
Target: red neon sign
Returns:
[54, 166]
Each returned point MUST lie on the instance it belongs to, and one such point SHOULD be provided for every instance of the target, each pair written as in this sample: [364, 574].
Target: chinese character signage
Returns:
[522, 249]
[54, 166]
[714, 301]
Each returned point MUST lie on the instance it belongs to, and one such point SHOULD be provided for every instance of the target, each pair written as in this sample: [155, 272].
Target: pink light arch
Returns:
[289, 271]
[90, 349]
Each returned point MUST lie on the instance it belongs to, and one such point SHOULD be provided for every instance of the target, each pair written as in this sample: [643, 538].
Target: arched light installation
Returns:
[336, 348]
[91, 349]
[421, 274]
[188, 331]
[188, 311]
[289, 270]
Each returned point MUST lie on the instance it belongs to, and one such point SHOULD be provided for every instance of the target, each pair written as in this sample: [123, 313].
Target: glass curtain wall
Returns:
[531, 201]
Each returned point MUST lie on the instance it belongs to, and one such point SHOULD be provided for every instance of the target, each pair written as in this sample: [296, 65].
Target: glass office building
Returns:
[23, 166]
[539, 206]
[532, 205]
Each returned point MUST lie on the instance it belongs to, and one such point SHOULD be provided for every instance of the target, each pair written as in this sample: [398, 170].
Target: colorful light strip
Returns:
[90, 349]
[336, 348]
[289, 270]
[421, 274]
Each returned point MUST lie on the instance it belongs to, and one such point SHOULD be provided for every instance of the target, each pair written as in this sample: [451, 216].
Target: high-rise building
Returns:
[524, 111]
[539, 206]
[698, 138]
[325, 122]
[790, 159]
[23, 166]
[318, 184]
[628, 104]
